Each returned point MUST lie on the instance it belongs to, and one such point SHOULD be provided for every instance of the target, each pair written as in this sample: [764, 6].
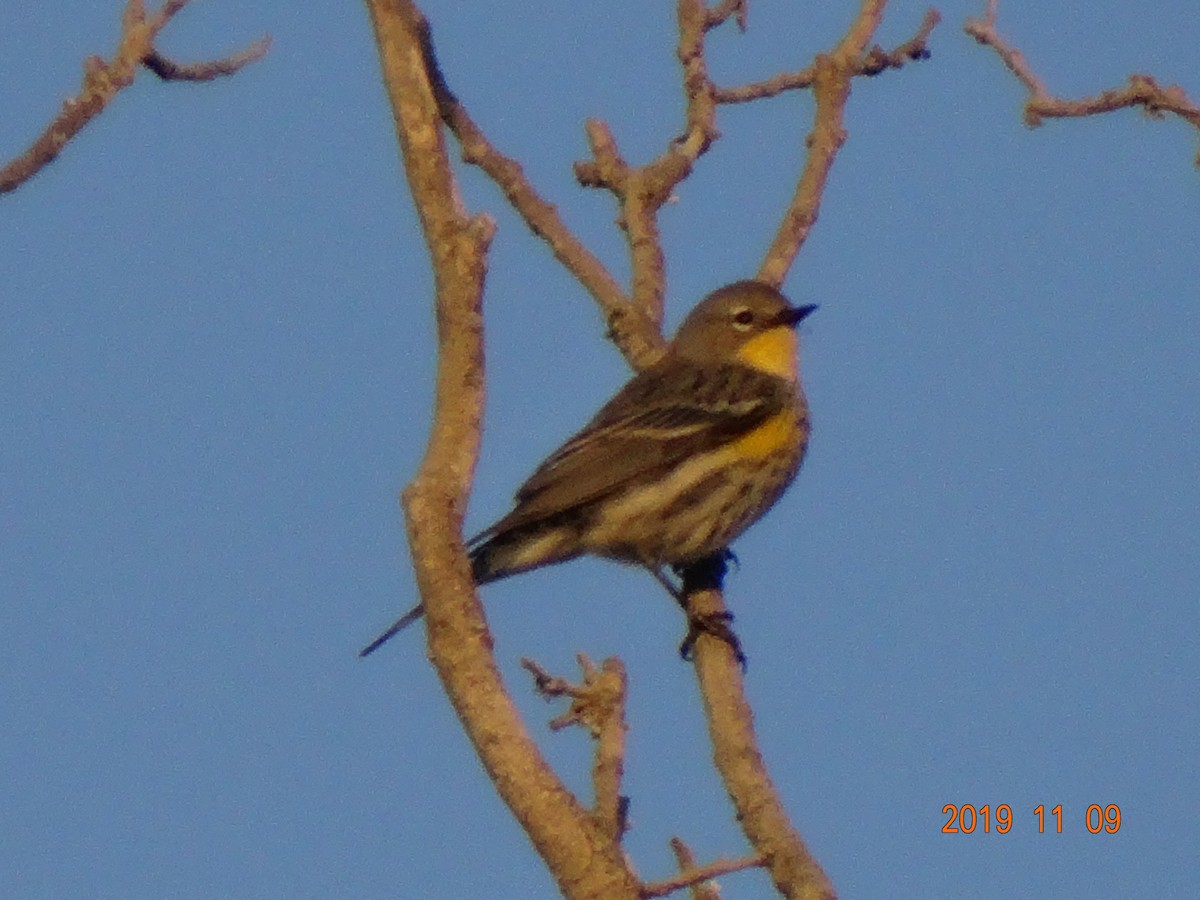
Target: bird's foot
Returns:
[715, 624]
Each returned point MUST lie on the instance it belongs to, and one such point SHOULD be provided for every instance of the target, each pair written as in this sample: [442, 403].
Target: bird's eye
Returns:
[743, 319]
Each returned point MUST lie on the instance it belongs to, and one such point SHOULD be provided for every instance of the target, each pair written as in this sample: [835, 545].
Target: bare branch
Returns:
[607, 169]
[694, 876]
[584, 861]
[916, 48]
[831, 90]
[597, 704]
[686, 860]
[872, 62]
[770, 87]
[720, 13]
[794, 870]
[1142, 90]
[169, 70]
[832, 75]
[637, 336]
[642, 191]
[165, 13]
[102, 80]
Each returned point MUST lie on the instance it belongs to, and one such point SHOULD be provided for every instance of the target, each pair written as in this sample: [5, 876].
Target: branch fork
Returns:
[104, 79]
[1142, 90]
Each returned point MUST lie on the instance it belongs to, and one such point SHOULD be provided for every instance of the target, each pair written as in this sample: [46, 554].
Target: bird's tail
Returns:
[500, 555]
[486, 566]
[512, 552]
[396, 627]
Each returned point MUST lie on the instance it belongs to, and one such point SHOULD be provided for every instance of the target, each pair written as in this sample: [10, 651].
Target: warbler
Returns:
[683, 459]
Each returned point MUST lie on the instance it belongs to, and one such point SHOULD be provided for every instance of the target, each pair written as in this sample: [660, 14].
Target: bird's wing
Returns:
[651, 425]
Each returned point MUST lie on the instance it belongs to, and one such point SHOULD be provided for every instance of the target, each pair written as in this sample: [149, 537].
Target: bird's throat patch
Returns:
[772, 351]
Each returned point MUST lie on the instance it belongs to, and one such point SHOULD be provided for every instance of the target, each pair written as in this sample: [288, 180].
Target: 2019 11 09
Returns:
[967, 818]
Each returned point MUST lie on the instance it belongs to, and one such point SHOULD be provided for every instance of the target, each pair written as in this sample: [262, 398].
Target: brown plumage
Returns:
[685, 457]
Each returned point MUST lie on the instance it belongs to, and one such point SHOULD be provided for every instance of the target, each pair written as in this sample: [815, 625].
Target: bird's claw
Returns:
[716, 624]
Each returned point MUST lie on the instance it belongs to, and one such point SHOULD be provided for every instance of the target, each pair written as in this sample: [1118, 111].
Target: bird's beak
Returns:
[794, 315]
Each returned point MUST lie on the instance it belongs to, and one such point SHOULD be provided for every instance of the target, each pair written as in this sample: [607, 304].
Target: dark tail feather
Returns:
[478, 570]
[484, 563]
[519, 550]
[495, 558]
[399, 625]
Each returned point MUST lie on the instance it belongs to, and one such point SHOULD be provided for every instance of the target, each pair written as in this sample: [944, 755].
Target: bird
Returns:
[686, 456]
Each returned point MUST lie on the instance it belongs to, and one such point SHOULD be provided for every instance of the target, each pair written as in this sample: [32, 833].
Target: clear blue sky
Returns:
[215, 376]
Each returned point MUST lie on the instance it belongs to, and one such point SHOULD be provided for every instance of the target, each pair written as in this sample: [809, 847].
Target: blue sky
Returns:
[215, 375]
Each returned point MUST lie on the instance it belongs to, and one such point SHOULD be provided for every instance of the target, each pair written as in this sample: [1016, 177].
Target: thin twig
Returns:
[719, 14]
[102, 80]
[693, 875]
[598, 705]
[635, 334]
[769, 87]
[872, 62]
[916, 48]
[832, 74]
[642, 191]
[686, 861]
[169, 70]
[1142, 90]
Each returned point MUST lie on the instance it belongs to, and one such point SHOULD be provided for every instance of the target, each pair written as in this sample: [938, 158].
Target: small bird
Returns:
[684, 458]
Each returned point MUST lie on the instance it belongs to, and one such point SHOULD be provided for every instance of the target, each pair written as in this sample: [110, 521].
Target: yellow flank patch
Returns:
[773, 351]
[773, 435]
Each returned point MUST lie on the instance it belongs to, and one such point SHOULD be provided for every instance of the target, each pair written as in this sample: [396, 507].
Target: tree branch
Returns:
[1142, 90]
[873, 62]
[794, 870]
[831, 77]
[597, 704]
[169, 70]
[638, 336]
[581, 858]
[102, 80]
[696, 877]
[686, 860]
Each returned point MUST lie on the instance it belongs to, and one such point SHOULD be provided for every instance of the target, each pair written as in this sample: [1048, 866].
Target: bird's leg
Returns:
[723, 556]
[668, 585]
[707, 574]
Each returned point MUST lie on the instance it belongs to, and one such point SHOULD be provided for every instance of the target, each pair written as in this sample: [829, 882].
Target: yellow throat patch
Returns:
[773, 352]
